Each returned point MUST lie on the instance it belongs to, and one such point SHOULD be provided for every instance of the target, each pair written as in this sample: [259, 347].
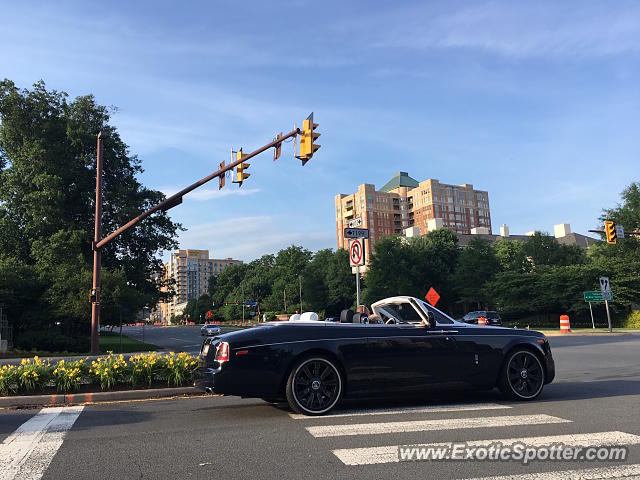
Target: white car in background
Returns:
[210, 330]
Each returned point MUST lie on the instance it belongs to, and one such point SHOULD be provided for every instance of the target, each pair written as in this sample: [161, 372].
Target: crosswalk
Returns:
[362, 426]
[27, 452]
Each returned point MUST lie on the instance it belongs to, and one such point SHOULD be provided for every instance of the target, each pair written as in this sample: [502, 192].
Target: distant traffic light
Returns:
[241, 174]
[221, 178]
[610, 232]
[307, 140]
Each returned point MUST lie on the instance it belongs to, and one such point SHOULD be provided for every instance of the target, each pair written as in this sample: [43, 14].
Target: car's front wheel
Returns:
[314, 386]
[522, 375]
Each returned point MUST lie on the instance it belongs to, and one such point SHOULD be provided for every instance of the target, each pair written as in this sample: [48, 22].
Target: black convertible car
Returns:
[404, 347]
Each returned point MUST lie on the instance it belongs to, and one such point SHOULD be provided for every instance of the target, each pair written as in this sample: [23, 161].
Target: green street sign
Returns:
[594, 297]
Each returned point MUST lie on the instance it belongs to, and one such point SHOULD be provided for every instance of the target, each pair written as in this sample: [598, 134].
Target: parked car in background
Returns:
[209, 330]
[492, 317]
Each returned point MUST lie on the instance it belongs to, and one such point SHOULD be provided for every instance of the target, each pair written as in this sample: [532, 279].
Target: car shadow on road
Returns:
[575, 390]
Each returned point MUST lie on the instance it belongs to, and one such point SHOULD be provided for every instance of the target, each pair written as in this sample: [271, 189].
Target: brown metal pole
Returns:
[176, 198]
[95, 300]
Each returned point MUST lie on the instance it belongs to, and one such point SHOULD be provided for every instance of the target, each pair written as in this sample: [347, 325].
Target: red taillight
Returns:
[223, 353]
[242, 352]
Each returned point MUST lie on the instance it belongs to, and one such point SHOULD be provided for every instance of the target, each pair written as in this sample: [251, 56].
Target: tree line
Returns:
[47, 196]
[532, 281]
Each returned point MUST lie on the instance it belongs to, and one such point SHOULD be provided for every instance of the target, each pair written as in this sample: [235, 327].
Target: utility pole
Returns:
[308, 137]
[97, 254]
[284, 295]
[300, 279]
[243, 303]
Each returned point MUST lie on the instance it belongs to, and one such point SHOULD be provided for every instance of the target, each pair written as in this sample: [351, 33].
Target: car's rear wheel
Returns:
[314, 386]
[522, 375]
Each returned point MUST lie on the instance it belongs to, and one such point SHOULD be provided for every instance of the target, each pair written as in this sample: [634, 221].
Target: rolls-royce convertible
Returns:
[405, 347]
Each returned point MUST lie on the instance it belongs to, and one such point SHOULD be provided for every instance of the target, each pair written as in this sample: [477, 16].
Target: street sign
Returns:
[355, 223]
[595, 297]
[356, 233]
[605, 287]
[356, 252]
[432, 296]
[619, 231]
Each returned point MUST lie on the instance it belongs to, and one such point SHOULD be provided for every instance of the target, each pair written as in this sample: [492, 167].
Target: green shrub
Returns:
[8, 379]
[109, 370]
[33, 374]
[143, 368]
[632, 320]
[69, 375]
[52, 341]
[179, 369]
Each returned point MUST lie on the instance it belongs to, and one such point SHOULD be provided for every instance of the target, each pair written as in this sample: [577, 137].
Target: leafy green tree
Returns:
[47, 190]
[511, 255]
[477, 264]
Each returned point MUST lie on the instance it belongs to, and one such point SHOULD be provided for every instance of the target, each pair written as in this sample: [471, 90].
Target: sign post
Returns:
[605, 287]
[356, 259]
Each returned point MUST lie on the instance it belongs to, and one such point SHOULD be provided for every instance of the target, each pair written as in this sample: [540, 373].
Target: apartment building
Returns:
[190, 269]
[403, 202]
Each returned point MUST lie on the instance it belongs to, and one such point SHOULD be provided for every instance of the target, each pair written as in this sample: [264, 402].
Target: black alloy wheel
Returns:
[314, 386]
[522, 377]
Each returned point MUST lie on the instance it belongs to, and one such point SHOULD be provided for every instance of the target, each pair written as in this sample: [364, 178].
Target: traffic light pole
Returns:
[97, 254]
[170, 202]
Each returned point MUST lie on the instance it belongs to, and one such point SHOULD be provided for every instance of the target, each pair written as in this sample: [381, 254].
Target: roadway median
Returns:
[36, 382]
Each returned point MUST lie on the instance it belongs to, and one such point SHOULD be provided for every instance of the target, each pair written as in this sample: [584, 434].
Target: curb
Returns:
[93, 397]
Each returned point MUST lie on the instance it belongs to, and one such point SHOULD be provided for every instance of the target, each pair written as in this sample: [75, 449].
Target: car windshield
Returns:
[403, 312]
[493, 316]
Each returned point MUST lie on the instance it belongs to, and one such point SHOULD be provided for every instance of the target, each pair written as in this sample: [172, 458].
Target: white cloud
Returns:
[247, 238]
[515, 29]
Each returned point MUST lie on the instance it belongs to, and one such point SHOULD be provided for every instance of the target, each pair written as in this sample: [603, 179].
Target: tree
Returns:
[47, 190]
[476, 265]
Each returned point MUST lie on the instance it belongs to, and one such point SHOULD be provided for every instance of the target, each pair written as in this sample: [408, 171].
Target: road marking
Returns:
[427, 425]
[27, 452]
[389, 454]
[622, 471]
[398, 411]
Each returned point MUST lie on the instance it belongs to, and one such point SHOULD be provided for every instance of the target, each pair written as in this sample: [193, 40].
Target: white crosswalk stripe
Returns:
[629, 472]
[463, 407]
[27, 452]
[389, 454]
[427, 425]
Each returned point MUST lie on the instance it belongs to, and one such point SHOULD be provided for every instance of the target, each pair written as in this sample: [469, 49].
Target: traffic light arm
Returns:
[176, 198]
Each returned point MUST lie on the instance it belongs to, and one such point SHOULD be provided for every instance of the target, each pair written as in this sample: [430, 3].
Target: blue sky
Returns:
[536, 102]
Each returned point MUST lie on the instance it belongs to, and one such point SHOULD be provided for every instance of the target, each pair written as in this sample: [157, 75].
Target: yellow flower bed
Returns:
[33, 375]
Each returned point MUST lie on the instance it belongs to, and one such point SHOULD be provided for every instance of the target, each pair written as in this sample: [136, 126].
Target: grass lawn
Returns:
[109, 341]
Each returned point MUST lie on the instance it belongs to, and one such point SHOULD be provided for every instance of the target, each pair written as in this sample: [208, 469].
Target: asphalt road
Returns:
[178, 338]
[595, 399]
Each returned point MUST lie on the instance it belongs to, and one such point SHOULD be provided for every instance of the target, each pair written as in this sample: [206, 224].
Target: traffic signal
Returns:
[241, 174]
[610, 232]
[307, 140]
[221, 178]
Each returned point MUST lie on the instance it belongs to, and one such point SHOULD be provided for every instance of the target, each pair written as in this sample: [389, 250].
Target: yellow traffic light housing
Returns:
[241, 174]
[610, 232]
[307, 139]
